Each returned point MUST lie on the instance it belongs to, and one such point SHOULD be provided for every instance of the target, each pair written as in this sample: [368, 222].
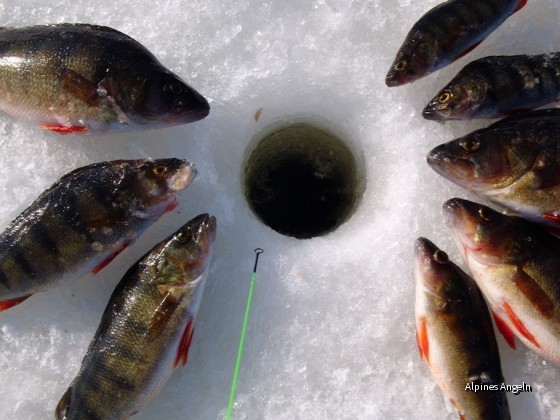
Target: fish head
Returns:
[460, 99]
[484, 234]
[156, 96]
[484, 160]
[416, 58]
[153, 184]
[185, 256]
[435, 273]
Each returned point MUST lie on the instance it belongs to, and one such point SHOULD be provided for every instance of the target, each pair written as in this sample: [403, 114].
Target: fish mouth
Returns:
[189, 110]
[203, 229]
[424, 248]
[431, 267]
[392, 81]
[182, 115]
[209, 226]
[183, 177]
[460, 213]
[430, 112]
[424, 251]
[461, 216]
[454, 168]
[395, 78]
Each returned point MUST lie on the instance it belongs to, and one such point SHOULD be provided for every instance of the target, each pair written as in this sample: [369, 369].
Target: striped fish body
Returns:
[83, 221]
[514, 163]
[497, 86]
[516, 264]
[455, 336]
[145, 330]
[447, 32]
[77, 78]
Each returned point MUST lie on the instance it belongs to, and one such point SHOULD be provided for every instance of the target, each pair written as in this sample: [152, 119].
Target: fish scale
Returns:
[140, 337]
[83, 221]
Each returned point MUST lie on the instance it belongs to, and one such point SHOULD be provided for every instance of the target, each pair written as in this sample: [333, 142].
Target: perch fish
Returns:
[89, 79]
[84, 221]
[146, 329]
[446, 33]
[498, 86]
[516, 264]
[455, 335]
[514, 163]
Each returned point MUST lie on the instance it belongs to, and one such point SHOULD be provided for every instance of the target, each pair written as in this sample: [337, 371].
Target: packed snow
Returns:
[331, 332]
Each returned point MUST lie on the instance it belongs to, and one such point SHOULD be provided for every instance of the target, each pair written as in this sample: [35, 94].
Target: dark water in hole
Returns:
[301, 181]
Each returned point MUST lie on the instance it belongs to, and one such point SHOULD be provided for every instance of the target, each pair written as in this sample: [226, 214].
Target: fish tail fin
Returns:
[62, 406]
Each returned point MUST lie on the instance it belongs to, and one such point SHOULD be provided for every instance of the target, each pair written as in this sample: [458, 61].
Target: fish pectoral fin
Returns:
[109, 258]
[171, 206]
[552, 217]
[516, 322]
[545, 172]
[7, 304]
[185, 344]
[503, 328]
[534, 293]
[161, 315]
[422, 340]
[62, 406]
[79, 86]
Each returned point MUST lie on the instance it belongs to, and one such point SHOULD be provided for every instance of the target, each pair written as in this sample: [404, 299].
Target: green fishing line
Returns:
[258, 251]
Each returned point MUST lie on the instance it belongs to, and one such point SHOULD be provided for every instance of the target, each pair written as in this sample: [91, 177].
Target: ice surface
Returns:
[331, 334]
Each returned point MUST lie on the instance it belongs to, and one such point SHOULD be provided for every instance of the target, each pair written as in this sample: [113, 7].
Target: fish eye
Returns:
[401, 65]
[160, 170]
[183, 236]
[440, 257]
[484, 214]
[444, 97]
[470, 145]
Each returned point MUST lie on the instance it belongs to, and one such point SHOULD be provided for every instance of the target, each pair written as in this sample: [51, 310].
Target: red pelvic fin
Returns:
[468, 50]
[186, 340]
[506, 332]
[521, 5]
[552, 217]
[7, 304]
[418, 345]
[519, 325]
[171, 206]
[458, 408]
[422, 340]
[108, 260]
[63, 129]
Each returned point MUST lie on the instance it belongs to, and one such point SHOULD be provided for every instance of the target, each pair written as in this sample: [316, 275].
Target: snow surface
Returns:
[331, 334]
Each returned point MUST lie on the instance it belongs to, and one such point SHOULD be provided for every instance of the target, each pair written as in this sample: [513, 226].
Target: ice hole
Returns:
[301, 180]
